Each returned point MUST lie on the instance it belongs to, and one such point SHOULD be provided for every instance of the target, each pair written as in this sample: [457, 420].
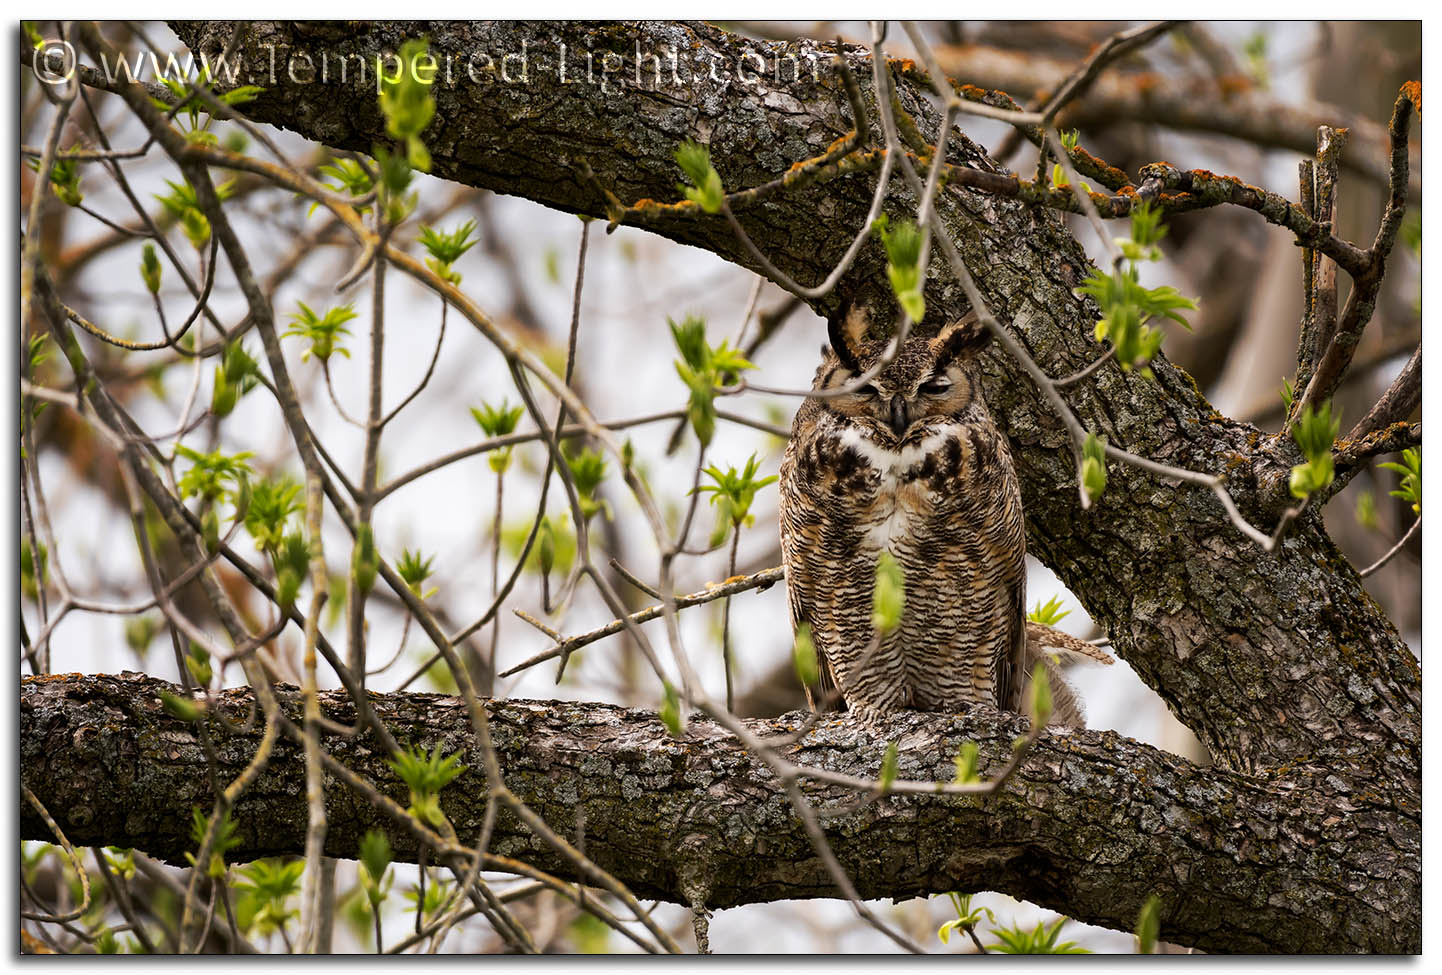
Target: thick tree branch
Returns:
[1091, 823]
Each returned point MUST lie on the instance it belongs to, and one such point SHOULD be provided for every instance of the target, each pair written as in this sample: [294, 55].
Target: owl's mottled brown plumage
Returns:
[912, 464]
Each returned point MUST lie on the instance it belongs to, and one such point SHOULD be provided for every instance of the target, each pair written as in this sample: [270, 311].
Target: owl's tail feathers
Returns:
[1062, 647]
[1052, 648]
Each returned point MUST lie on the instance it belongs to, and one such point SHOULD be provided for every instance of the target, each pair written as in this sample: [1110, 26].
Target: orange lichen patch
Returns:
[906, 65]
[972, 92]
[1232, 85]
[1413, 91]
[1147, 81]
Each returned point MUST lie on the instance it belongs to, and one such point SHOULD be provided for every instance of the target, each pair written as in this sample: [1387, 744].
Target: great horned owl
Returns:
[911, 463]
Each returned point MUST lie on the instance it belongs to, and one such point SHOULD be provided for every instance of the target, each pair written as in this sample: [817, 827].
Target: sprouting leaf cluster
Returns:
[188, 101]
[1049, 613]
[64, 179]
[888, 597]
[323, 332]
[1041, 702]
[265, 889]
[732, 493]
[414, 568]
[237, 374]
[706, 190]
[350, 178]
[225, 840]
[1041, 940]
[670, 710]
[183, 206]
[374, 872]
[1149, 925]
[197, 663]
[903, 243]
[446, 248]
[588, 470]
[704, 368]
[498, 421]
[425, 776]
[1314, 433]
[406, 100]
[1127, 308]
[1410, 489]
[1069, 141]
[967, 916]
[273, 501]
[803, 657]
[150, 269]
[1094, 467]
[214, 478]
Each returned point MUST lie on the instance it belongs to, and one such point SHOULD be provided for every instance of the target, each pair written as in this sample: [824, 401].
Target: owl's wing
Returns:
[1001, 526]
[801, 528]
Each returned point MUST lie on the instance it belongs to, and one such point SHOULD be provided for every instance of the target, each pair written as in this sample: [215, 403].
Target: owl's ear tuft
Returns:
[962, 338]
[847, 328]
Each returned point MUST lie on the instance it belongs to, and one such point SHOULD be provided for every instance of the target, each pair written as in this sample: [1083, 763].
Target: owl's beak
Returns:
[900, 418]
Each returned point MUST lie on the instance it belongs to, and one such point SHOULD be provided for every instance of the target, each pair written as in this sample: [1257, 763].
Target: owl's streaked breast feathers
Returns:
[913, 464]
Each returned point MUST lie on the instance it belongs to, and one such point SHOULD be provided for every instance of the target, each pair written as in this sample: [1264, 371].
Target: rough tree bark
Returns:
[1091, 821]
[1284, 667]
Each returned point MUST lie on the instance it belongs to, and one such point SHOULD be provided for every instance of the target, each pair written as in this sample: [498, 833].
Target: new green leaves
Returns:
[237, 375]
[967, 917]
[265, 891]
[888, 598]
[732, 493]
[150, 269]
[414, 568]
[888, 768]
[1041, 940]
[272, 502]
[1094, 467]
[588, 470]
[1314, 433]
[183, 205]
[324, 332]
[1126, 306]
[706, 190]
[1410, 490]
[670, 711]
[1048, 613]
[1149, 925]
[64, 179]
[903, 245]
[375, 860]
[1041, 703]
[446, 249]
[405, 99]
[425, 776]
[498, 421]
[966, 766]
[803, 657]
[703, 369]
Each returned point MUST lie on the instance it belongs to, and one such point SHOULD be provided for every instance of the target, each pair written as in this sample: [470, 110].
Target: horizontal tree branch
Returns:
[1091, 823]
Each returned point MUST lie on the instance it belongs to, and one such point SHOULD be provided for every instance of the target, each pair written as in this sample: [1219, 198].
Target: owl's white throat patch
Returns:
[894, 462]
[899, 503]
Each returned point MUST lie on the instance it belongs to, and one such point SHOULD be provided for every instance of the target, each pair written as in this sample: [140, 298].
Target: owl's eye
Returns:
[937, 386]
[869, 391]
